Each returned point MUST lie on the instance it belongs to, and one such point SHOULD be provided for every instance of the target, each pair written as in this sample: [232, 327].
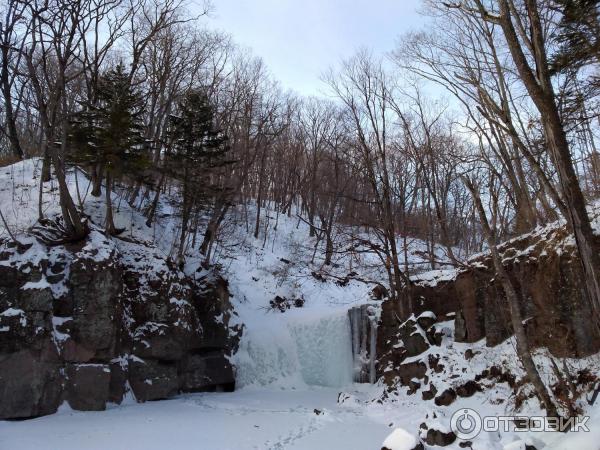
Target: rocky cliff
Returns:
[468, 305]
[88, 323]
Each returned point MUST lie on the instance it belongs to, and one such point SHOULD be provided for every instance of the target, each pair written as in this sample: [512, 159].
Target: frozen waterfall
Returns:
[296, 349]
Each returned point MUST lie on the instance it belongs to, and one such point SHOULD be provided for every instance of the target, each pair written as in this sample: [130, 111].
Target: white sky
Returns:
[300, 39]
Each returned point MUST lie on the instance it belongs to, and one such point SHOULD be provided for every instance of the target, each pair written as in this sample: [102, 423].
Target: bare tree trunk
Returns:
[7, 43]
[97, 180]
[260, 192]
[12, 236]
[152, 209]
[514, 302]
[539, 87]
[109, 225]
[46, 165]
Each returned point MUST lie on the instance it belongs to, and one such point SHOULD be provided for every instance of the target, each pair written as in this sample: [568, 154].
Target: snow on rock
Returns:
[401, 439]
[97, 300]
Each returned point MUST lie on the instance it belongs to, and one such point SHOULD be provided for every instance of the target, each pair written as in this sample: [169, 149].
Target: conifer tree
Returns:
[578, 34]
[108, 133]
[198, 148]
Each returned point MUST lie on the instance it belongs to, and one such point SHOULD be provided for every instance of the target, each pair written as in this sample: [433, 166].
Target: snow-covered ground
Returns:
[245, 419]
[291, 366]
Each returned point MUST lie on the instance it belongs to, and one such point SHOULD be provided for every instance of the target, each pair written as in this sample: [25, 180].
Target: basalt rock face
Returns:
[547, 273]
[86, 324]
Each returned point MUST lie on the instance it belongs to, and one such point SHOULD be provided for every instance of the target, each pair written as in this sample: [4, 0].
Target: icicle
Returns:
[363, 324]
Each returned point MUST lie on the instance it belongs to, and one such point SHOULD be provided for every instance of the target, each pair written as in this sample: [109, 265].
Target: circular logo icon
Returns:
[466, 423]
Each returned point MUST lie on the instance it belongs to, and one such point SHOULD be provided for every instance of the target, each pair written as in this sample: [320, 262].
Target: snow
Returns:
[41, 284]
[59, 337]
[288, 364]
[427, 315]
[243, 420]
[400, 440]
[12, 312]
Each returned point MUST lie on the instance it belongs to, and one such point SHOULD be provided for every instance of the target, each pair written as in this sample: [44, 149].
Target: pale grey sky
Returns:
[300, 39]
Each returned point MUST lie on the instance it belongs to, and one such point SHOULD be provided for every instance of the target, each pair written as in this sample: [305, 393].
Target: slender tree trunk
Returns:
[514, 303]
[9, 114]
[46, 165]
[539, 87]
[212, 228]
[109, 225]
[97, 174]
[152, 209]
[11, 127]
[73, 224]
[134, 193]
[185, 218]
[41, 198]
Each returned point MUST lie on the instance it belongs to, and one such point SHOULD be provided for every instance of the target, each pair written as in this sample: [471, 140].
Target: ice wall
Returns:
[324, 351]
[296, 349]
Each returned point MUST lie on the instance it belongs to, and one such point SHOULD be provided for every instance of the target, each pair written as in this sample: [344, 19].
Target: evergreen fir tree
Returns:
[578, 34]
[198, 148]
[108, 133]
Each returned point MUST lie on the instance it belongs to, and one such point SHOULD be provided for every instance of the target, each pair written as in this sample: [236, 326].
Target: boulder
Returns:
[118, 380]
[468, 389]
[152, 380]
[400, 439]
[439, 438]
[72, 351]
[71, 317]
[206, 372]
[30, 383]
[35, 299]
[213, 307]
[434, 363]
[446, 398]
[408, 371]
[21, 330]
[434, 336]
[88, 386]
[413, 338]
[430, 393]
[379, 292]
[95, 288]
[157, 341]
[426, 319]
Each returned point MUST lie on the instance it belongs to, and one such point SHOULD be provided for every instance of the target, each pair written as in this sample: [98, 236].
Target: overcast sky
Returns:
[300, 39]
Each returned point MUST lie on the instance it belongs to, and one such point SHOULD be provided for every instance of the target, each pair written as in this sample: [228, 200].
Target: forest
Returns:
[475, 130]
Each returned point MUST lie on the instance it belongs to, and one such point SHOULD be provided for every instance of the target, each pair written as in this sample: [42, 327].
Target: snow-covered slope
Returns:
[294, 368]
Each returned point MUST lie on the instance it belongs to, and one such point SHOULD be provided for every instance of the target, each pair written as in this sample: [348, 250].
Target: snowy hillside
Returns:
[294, 365]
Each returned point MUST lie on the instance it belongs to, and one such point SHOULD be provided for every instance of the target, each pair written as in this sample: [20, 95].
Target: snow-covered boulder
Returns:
[401, 439]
